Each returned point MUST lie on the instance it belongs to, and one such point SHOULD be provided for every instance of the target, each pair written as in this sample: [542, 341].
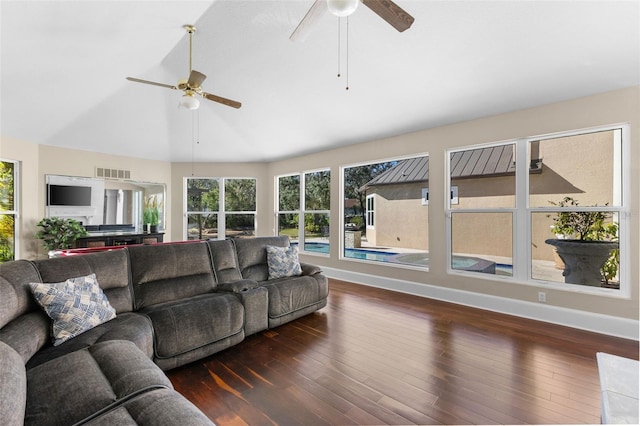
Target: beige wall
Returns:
[605, 109]
[40, 160]
[400, 218]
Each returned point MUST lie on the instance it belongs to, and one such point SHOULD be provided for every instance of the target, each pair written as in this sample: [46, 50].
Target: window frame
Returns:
[15, 212]
[342, 243]
[303, 211]
[277, 210]
[370, 212]
[224, 213]
[523, 212]
[221, 213]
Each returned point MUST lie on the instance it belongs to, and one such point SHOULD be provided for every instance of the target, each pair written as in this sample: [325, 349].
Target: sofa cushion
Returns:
[13, 386]
[15, 296]
[166, 272]
[283, 262]
[130, 326]
[288, 295]
[188, 324]
[75, 306]
[28, 333]
[157, 407]
[111, 269]
[71, 388]
[225, 261]
[252, 255]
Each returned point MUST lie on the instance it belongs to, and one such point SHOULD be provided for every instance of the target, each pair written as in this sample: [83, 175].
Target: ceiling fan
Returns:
[193, 85]
[386, 9]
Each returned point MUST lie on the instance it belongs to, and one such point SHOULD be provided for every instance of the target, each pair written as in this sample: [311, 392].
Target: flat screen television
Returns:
[67, 195]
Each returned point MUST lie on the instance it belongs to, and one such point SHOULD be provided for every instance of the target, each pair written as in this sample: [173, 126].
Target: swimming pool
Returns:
[463, 263]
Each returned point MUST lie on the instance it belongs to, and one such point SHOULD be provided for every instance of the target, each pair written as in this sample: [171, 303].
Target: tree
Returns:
[203, 197]
[288, 200]
[240, 196]
[7, 221]
[318, 190]
[289, 193]
[355, 179]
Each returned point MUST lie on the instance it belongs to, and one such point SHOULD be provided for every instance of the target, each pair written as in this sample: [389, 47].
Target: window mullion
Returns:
[222, 223]
[522, 220]
[303, 206]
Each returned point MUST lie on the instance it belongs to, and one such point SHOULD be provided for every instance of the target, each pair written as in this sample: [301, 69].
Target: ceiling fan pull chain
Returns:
[198, 127]
[193, 143]
[190, 49]
[347, 87]
[195, 136]
[339, 37]
[193, 139]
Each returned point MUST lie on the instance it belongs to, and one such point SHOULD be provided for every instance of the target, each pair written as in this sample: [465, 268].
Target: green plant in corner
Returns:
[58, 233]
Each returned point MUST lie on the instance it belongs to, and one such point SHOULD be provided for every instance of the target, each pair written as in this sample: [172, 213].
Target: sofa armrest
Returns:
[309, 269]
[238, 286]
[13, 386]
[255, 300]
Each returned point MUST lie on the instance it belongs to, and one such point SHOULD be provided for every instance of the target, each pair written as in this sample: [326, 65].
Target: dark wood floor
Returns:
[379, 357]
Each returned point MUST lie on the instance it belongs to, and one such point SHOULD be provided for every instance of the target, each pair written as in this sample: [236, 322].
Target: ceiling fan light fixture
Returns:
[342, 8]
[189, 101]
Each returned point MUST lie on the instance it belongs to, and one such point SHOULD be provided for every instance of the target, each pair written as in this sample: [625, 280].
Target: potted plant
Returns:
[586, 243]
[151, 214]
[58, 233]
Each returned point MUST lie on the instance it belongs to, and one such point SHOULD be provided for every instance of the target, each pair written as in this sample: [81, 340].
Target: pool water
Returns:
[463, 263]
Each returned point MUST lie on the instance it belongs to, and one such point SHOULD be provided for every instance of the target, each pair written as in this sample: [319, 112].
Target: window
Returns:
[386, 212]
[219, 208]
[580, 198]
[240, 207]
[317, 205]
[517, 221]
[288, 216]
[481, 215]
[303, 209]
[8, 209]
[371, 211]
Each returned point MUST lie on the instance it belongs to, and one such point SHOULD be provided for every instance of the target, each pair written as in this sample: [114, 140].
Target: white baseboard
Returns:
[597, 323]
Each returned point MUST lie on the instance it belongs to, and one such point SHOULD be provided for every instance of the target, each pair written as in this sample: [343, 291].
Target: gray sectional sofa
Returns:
[174, 303]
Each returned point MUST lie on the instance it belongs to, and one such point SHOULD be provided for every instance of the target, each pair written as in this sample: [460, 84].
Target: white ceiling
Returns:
[64, 63]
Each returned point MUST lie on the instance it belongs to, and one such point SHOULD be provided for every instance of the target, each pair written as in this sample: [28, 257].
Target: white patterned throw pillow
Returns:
[283, 261]
[75, 306]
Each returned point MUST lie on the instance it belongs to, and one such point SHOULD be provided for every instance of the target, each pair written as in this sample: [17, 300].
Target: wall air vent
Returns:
[103, 172]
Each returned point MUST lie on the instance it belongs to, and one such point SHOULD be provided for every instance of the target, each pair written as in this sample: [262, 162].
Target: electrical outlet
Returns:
[542, 297]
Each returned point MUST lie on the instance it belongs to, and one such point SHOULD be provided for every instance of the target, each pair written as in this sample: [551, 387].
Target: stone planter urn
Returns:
[583, 260]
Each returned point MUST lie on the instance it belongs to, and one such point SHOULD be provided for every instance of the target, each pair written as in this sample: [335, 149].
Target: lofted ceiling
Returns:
[64, 66]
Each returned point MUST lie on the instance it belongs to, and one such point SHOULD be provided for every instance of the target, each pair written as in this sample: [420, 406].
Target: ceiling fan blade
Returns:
[195, 79]
[221, 100]
[312, 16]
[137, 80]
[390, 12]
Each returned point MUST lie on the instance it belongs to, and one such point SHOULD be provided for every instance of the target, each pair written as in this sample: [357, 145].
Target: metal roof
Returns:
[410, 170]
[480, 162]
[491, 161]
